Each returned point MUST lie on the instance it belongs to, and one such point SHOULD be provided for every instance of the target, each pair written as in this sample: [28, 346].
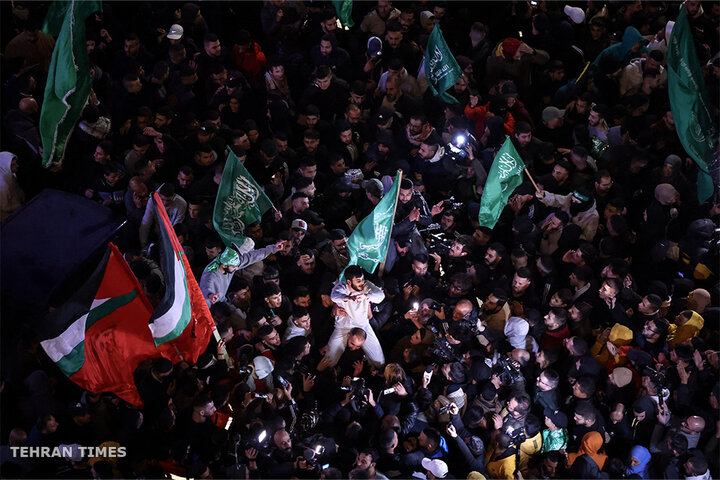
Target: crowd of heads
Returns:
[577, 338]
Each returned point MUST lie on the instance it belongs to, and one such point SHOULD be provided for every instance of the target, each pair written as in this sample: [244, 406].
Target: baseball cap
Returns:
[77, 409]
[551, 113]
[557, 417]
[577, 15]
[176, 32]
[436, 467]
[384, 115]
[374, 47]
[299, 224]
[263, 366]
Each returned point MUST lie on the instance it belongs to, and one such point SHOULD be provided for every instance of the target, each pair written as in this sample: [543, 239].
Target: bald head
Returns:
[462, 309]
[693, 425]
[28, 106]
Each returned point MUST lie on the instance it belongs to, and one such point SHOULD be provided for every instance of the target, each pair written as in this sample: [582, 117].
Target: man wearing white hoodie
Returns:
[354, 296]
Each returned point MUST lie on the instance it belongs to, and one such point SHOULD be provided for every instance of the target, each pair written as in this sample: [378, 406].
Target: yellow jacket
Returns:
[689, 329]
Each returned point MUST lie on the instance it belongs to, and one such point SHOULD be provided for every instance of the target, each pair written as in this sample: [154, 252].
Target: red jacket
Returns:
[554, 340]
[250, 62]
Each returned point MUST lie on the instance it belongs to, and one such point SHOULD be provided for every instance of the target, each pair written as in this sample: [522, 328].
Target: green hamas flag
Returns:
[504, 177]
[68, 83]
[344, 12]
[690, 108]
[368, 244]
[240, 201]
[441, 69]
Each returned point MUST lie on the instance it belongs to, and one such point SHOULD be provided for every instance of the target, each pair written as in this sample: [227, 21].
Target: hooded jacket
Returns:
[591, 443]
[689, 329]
[621, 52]
[643, 456]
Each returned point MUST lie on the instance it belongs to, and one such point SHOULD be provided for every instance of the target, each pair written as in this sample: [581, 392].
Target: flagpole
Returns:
[397, 194]
[537, 189]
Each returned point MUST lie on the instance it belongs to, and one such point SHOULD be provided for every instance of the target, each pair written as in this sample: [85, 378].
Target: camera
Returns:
[437, 241]
[657, 377]
[310, 419]
[358, 389]
[444, 352]
[437, 306]
[456, 148]
[508, 371]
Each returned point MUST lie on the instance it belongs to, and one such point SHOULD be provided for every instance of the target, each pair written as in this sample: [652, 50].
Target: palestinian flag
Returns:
[100, 336]
[181, 324]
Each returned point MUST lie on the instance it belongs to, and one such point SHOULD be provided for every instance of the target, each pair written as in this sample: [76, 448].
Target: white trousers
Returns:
[372, 348]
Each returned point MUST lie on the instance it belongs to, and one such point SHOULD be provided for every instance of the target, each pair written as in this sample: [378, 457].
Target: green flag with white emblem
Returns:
[441, 69]
[694, 122]
[368, 244]
[240, 201]
[504, 177]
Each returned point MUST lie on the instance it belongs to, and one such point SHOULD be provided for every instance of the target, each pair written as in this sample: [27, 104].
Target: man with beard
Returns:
[417, 130]
[496, 270]
[581, 206]
[354, 297]
[335, 255]
[495, 311]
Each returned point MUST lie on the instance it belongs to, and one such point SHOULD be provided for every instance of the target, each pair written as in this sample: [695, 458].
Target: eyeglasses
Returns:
[648, 328]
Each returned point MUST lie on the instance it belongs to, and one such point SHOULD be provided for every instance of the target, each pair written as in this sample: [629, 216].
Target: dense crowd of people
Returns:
[578, 338]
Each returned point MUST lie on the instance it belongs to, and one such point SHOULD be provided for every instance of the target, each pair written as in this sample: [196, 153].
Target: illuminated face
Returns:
[357, 284]
[205, 158]
[213, 49]
[383, 8]
[405, 195]
[606, 292]
[520, 284]
[99, 156]
[593, 118]
[415, 126]
[184, 180]
[324, 83]
[355, 342]
[457, 250]
[393, 39]
[311, 144]
[325, 48]
[523, 138]
[604, 185]
[340, 245]
[491, 257]
[307, 264]
[277, 72]
[272, 339]
[303, 322]
[419, 268]
[346, 137]
[234, 105]
[274, 301]
[560, 174]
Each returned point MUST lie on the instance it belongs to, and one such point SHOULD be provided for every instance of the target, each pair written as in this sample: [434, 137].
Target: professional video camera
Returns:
[437, 240]
[456, 148]
[658, 378]
[443, 351]
[508, 371]
[310, 419]
[359, 393]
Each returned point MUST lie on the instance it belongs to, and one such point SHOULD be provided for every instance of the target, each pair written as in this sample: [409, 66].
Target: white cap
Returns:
[176, 32]
[436, 467]
[576, 14]
[263, 366]
[299, 224]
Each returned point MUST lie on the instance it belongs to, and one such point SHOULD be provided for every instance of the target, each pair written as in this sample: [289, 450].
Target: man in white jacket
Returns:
[354, 296]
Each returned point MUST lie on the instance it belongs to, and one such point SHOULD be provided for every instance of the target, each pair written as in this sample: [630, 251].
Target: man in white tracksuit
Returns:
[355, 295]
